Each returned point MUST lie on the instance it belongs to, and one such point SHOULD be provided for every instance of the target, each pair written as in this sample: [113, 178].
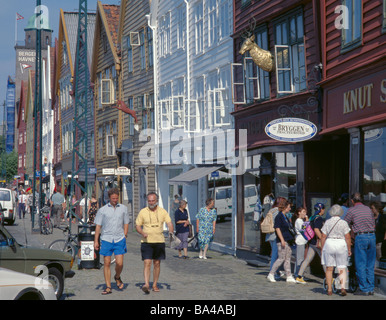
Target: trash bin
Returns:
[89, 257]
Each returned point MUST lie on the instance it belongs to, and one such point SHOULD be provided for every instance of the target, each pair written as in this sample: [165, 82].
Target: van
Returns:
[8, 203]
[222, 201]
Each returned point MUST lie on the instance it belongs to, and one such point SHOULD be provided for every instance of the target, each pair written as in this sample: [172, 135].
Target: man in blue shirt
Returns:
[112, 224]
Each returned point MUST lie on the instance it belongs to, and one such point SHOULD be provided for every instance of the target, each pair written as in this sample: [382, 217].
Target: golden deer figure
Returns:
[262, 58]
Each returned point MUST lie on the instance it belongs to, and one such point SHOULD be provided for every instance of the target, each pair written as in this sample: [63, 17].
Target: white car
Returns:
[8, 203]
[20, 286]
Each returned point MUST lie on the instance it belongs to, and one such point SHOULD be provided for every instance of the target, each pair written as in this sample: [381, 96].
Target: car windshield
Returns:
[5, 195]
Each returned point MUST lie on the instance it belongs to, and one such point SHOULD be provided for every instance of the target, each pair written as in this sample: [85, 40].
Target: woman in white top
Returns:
[336, 247]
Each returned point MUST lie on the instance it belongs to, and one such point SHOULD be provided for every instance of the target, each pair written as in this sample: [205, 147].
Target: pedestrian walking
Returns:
[285, 239]
[22, 203]
[299, 217]
[336, 247]
[58, 205]
[361, 218]
[149, 224]
[112, 224]
[182, 228]
[92, 209]
[271, 237]
[314, 245]
[206, 226]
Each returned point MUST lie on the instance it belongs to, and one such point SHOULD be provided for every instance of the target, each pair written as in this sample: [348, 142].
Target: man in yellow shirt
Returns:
[149, 224]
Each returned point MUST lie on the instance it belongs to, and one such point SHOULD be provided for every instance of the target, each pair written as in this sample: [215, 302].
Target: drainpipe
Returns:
[154, 5]
[187, 49]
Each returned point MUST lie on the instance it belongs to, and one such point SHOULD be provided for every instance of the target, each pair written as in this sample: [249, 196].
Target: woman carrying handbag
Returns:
[182, 228]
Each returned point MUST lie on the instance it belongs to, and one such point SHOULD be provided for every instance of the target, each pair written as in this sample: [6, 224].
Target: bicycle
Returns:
[45, 223]
[70, 244]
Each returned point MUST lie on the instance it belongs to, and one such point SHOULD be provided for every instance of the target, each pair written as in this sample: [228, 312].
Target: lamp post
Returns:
[37, 107]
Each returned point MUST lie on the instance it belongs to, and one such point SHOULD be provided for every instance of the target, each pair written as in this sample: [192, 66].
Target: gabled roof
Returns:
[68, 23]
[108, 19]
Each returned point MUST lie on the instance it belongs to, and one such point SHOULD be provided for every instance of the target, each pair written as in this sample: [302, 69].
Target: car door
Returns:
[11, 254]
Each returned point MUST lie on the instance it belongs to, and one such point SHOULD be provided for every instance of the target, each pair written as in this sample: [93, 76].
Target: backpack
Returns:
[307, 232]
[267, 224]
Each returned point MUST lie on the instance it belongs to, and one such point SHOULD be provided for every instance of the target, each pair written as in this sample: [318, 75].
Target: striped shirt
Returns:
[361, 218]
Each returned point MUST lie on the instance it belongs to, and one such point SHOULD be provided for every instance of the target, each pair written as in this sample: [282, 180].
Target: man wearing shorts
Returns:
[112, 223]
[149, 224]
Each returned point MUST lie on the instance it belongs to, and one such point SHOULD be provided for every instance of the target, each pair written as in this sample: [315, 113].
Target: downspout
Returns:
[149, 17]
[187, 49]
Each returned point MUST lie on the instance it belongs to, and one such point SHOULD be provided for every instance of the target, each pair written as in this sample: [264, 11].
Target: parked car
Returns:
[1, 217]
[56, 264]
[8, 202]
[20, 286]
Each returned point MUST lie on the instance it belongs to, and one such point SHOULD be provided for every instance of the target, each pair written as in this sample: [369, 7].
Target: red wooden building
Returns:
[290, 30]
[354, 90]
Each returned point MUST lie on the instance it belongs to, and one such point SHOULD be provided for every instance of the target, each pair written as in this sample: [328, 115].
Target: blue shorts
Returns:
[108, 248]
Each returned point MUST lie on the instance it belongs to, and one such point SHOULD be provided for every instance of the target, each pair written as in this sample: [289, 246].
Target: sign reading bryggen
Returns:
[291, 129]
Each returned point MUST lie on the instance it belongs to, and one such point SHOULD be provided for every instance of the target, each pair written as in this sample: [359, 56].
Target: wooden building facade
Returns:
[137, 93]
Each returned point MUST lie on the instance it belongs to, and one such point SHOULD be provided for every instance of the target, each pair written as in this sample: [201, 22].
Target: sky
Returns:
[26, 9]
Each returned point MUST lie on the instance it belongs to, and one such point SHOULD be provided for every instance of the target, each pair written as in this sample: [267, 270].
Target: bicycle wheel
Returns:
[50, 226]
[63, 245]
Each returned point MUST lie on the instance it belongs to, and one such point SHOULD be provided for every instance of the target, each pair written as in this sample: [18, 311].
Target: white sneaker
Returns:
[271, 277]
[291, 279]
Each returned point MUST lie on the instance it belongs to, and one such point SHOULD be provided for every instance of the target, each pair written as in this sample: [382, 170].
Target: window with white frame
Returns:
[178, 103]
[110, 145]
[165, 34]
[224, 25]
[181, 13]
[289, 54]
[165, 106]
[256, 79]
[149, 34]
[212, 22]
[114, 78]
[142, 53]
[99, 85]
[352, 33]
[129, 55]
[199, 27]
[130, 105]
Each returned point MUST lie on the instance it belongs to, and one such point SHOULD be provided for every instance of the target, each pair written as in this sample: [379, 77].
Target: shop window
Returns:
[285, 176]
[251, 236]
[374, 179]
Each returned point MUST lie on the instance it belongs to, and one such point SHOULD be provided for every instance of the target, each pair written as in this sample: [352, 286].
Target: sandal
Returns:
[107, 291]
[120, 285]
[155, 289]
[145, 289]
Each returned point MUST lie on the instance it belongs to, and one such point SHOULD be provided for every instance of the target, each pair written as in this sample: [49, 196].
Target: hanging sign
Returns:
[291, 129]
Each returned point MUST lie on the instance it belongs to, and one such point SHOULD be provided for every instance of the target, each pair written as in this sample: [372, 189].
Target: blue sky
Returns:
[26, 8]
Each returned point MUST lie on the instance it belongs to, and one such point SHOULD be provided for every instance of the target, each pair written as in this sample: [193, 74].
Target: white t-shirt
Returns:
[300, 240]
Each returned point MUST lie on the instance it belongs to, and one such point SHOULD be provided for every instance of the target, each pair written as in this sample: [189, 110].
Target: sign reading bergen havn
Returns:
[291, 129]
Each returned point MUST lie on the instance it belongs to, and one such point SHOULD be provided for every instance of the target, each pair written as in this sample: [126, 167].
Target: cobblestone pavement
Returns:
[221, 277]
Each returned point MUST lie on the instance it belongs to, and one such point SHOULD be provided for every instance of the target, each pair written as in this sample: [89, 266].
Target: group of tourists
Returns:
[112, 225]
[357, 230]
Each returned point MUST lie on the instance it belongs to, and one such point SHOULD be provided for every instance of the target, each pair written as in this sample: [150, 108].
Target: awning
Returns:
[194, 174]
